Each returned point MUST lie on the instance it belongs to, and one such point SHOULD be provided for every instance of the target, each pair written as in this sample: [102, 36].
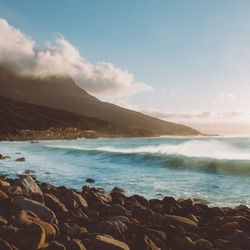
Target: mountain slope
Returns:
[24, 119]
[64, 94]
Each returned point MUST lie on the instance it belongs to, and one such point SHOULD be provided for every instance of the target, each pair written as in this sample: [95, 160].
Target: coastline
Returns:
[64, 218]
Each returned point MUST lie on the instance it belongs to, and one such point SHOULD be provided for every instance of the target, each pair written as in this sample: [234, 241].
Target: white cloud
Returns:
[19, 52]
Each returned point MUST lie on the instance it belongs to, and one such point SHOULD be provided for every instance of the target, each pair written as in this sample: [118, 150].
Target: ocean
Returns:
[214, 170]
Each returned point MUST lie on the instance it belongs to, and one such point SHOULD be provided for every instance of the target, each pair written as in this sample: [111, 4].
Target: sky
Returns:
[182, 61]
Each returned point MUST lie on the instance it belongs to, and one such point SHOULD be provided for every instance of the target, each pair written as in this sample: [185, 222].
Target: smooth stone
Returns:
[43, 212]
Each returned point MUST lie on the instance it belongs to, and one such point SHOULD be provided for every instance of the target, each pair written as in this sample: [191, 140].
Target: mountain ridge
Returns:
[63, 94]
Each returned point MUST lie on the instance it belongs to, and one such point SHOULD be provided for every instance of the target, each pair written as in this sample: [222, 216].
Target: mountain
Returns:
[29, 121]
[63, 94]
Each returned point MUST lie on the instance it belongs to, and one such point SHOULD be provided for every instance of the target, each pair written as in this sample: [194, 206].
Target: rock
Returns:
[178, 220]
[115, 228]
[29, 185]
[75, 245]
[144, 215]
[21, 159]
[117, 190]
[142, 242]
[72, 196]
[118, 209]
[5, 202]
[97, 195]
[32, 237]
[241, 239]
[3, 221]
[55, 205]
[90, 180]
[144, 202]
[26, 218]
[55, 245]
[203, 244]
[4, 183]
[222, 244]
[182, 243]
[4, 245]
[105, 242]
[157, 236]
[230, 227]
[43, 212]
[4, 157]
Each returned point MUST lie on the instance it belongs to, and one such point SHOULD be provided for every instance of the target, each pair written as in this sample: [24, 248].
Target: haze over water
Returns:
[215, 169]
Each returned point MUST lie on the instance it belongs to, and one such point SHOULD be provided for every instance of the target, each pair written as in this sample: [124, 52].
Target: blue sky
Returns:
[194, 54]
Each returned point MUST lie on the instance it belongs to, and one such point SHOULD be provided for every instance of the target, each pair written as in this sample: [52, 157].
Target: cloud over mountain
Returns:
[20, 53]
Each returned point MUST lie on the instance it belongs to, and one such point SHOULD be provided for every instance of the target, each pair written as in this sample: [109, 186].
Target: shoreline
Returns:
[64, 218]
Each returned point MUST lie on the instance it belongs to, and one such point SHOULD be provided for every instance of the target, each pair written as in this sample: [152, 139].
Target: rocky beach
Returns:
[36, 215]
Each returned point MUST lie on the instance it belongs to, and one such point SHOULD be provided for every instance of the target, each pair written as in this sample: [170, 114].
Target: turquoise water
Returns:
[214, 169]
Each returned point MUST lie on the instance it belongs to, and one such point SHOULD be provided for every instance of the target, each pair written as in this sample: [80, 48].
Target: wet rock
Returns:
[43, 212]
[21, 159]
[29, 185]
[105, 242]
[90, 180]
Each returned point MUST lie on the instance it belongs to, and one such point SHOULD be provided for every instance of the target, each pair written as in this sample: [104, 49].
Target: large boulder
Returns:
[43, 212]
